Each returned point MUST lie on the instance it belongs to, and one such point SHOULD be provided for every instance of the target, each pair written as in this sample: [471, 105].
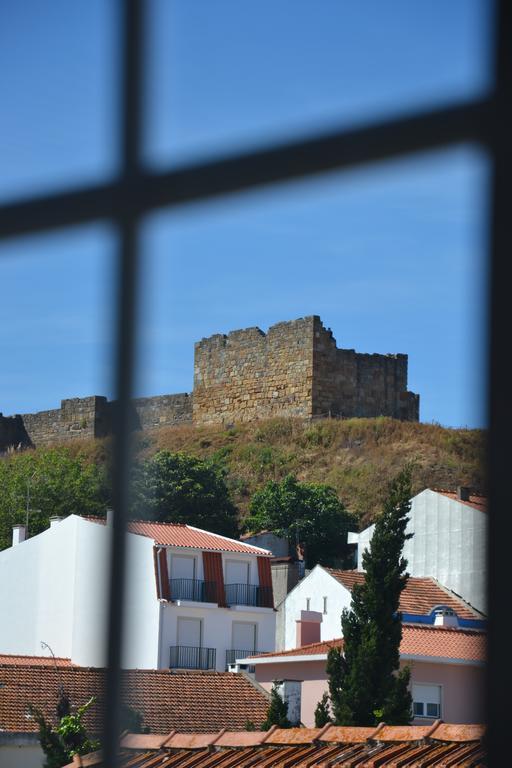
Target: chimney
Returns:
[463, 493]
[308, 627]
[445, 617]
[54, 520]
[110, 518]
[290, 693]
[19, 534]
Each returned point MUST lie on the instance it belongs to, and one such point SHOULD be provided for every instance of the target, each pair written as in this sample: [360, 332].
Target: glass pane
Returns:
[432, 710]
[418, 708]
[227, 75]
[391, 259]
[56, 333]
[57, 79]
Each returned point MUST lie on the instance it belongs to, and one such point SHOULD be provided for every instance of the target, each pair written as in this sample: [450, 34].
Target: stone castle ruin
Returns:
[295, 369]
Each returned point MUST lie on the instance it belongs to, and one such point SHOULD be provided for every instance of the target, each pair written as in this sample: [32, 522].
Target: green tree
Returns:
[49, 482]
[68, 737]
[322, 712]
[177, 488]
[308, 513]
[277, 713]
[365, 682]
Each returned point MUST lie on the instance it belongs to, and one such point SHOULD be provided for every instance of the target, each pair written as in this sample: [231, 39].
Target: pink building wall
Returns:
[462, 698]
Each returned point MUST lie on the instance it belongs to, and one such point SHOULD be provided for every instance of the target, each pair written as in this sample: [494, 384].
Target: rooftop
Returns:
[181, 535]
[436, 642]
[188, 701]
[386, 746]
[34, 661]
[475, 500]
[419, 597]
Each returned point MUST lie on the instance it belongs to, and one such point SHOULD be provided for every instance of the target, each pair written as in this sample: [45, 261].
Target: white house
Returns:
[449, 541]
[312, 610]
[194, 599]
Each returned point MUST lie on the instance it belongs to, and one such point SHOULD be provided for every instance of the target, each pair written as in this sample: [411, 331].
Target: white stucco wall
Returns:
[449, 544]
[217, 626]
[20, 751]
[54, 588]
[37, 580]
[317, 585]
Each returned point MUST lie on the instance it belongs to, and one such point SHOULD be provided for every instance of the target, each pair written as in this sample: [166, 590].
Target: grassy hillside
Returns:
[356, 456]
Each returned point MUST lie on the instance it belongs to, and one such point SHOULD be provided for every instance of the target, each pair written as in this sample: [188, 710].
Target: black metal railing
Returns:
[193, 589]
[248, 594]
[191, 657]
[233, 654]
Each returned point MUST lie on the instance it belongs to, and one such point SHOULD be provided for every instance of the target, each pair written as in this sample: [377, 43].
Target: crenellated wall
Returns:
[295, 369]
[249, 375]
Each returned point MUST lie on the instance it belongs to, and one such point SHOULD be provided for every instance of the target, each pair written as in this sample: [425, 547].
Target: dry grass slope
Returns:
[357, 456]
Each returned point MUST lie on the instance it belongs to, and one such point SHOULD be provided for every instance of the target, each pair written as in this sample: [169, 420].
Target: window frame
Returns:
[136, 191]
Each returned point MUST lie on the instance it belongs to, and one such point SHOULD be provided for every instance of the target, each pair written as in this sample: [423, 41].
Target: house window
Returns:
[308, 603]
[325, 605]
[426, 700]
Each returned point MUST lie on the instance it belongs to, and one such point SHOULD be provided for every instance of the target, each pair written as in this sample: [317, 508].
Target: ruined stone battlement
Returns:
[295, 369]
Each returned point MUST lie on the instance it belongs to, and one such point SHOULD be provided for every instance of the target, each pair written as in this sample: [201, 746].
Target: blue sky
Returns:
[392, 258]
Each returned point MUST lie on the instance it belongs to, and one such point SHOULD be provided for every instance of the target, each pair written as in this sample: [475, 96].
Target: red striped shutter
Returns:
[212, 566]
[265, 580]
[163, 590]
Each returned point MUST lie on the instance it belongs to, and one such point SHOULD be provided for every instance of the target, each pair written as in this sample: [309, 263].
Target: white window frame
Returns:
[424, 701]
[254, 624]
[189, 618]
[183, 557]
[238, 560]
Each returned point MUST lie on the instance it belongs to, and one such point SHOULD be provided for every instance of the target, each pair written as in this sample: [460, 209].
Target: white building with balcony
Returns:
[194, 599]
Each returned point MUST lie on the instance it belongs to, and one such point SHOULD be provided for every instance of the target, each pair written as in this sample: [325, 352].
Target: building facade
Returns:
[449, 542]
[194, 600]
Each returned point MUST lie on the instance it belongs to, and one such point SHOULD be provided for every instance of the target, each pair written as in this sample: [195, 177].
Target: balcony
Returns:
[249, 594]
[234, 654]
[193, 589]
[191, 657]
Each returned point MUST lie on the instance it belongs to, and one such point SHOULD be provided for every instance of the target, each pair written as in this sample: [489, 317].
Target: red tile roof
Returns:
[188, 701]
[419, 597]
[417, 640]
[444, 642]
[458, 746]
[34, 661]
[181, 535]
[475, 499]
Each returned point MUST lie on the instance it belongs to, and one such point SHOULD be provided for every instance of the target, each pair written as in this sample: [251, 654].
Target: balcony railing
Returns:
[193, 589]
[248, 594]
[191, 657]
[232, 655]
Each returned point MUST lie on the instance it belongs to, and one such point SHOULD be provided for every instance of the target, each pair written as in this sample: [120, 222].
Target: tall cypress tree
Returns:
[365, 683]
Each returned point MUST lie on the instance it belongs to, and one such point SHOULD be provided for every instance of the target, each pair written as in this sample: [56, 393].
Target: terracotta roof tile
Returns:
[417, 640]
[34, 661]
[189, 701]
[386, 746]
[181, 535]
[444, 642]
[419, 597]
[475, 499]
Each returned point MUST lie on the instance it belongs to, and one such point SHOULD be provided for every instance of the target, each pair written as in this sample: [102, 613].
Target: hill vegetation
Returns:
[358, 457]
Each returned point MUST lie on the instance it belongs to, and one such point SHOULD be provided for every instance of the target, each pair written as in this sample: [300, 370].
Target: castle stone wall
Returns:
[249, 375]
[163, 410]
[295, 369]
[347, 383]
